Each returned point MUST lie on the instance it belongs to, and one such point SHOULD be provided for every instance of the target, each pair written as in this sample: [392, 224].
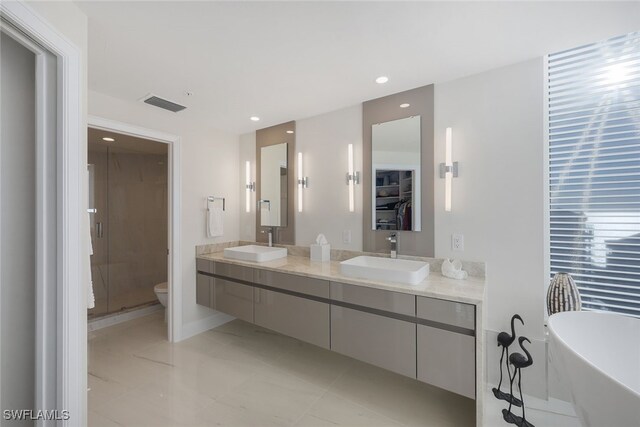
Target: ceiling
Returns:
[285, 61]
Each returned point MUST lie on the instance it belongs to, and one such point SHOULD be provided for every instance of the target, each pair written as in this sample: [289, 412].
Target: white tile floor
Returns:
[243, 375]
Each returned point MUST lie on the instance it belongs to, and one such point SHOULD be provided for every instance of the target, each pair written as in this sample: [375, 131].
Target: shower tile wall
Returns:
[131, 256]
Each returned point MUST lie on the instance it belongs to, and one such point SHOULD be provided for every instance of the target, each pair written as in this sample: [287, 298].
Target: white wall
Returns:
[209, 167]
[497, 204]
[323, 141]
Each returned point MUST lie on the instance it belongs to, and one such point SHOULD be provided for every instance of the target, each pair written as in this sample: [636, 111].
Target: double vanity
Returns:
[427, 330]
[389, 312]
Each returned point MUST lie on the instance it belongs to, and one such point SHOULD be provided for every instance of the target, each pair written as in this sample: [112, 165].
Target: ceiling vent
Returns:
[165, 104]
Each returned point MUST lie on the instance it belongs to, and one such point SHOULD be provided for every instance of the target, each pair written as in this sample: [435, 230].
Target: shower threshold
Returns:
[102, 321]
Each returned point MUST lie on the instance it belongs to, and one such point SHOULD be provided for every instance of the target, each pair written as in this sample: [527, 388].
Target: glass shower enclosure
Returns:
[128, 201]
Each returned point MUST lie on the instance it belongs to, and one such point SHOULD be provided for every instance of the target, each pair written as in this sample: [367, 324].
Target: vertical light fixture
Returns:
[447, 177]
[448, 169]
[249, 186]
[353, 178]
[303, 182]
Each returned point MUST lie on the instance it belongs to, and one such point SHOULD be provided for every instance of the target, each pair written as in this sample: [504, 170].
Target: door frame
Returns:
[174, 306]
[72, 269]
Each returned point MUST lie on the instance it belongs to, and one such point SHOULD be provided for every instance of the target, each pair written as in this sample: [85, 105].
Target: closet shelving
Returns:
[392, 187]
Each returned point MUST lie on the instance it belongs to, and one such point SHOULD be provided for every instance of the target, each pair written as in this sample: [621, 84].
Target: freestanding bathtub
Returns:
[597, 355]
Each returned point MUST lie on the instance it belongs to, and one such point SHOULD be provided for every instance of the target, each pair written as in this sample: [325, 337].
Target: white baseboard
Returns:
[199, 326]
[114, 319]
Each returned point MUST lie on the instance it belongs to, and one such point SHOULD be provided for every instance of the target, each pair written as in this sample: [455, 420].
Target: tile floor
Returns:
[243, 375]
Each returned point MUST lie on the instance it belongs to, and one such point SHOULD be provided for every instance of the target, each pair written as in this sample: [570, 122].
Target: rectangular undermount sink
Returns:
[394, 270]
[255, 253]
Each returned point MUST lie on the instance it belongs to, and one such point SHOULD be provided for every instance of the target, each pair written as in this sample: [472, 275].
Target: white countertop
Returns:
[470, 291]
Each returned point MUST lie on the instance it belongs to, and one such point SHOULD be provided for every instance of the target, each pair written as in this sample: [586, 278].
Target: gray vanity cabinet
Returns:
[368, 324]
[233, 298]
[447, 353]
[288, 306]
[433, 340]
[204, 290]
[379, 340]
[301, 318]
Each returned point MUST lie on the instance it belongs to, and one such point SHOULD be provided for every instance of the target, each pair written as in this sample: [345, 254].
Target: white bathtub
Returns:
[597, 356]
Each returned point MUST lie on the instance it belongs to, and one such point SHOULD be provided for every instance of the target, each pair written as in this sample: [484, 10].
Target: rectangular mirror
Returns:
[272, 202]
[396, 180]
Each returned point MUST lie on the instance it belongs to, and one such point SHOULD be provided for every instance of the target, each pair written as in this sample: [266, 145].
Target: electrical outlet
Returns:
[346, 236]
[457, 242]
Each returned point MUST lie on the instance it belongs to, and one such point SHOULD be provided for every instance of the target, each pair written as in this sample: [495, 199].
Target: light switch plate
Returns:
[457, 242]
[346, 236]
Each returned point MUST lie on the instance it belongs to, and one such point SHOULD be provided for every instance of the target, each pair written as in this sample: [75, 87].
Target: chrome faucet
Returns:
[393, 238]
[270, 231]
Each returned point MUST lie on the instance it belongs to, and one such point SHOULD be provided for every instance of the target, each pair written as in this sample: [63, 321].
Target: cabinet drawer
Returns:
[381, 341]
[204, 265]
[447, 360]
[296, 317]
[233, 298]
[204, 290]
[291, 282]
[394, 302]
[447, 312]
[233, 271]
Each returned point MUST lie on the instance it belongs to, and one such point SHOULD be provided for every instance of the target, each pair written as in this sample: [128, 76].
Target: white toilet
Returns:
[162, 292]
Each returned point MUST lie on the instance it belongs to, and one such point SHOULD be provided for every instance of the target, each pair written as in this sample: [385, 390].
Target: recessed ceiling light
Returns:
[108, 139]
[254, 118]
[289, 131]
[405, 105]
[382, 79]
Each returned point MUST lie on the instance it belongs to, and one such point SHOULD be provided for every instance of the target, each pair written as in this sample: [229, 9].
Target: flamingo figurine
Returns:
[505, 340]
[518, 361]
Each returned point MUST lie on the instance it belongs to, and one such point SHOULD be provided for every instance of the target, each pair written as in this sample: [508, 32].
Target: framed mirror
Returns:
[396, 175]
[272, 202]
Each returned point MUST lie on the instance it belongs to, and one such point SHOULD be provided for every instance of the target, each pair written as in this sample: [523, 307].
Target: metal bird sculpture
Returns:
[505, 340]
[518, 361]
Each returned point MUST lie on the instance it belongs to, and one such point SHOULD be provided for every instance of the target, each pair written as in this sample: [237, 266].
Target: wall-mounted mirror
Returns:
[396, 175]
[273, 196]
[275, 183]
[398, 172]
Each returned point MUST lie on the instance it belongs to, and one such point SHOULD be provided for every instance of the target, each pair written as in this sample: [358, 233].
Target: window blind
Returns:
[594, 171]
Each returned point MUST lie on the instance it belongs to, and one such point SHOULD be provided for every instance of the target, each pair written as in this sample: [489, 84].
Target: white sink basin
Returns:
[255, 253]
[393, 270]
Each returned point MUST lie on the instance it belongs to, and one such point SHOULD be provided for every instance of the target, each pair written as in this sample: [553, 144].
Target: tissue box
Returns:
[320, 253]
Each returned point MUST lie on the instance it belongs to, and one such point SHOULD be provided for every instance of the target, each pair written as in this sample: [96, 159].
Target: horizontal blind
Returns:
[594, 171]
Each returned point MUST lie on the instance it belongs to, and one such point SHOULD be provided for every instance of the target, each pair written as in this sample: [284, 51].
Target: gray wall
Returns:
[383, 110]
[17, 225]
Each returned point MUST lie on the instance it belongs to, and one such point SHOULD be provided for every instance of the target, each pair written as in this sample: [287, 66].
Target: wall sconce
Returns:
[352, 179]
[249, 186]
[448, 169]
[303, 182]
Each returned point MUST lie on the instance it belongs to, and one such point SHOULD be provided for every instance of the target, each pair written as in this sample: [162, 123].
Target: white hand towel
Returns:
[265, 215]
[215, 223]
[91, 299]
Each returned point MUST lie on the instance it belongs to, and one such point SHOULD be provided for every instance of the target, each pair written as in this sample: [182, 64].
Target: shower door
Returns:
[98, 219]
[129, 228]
